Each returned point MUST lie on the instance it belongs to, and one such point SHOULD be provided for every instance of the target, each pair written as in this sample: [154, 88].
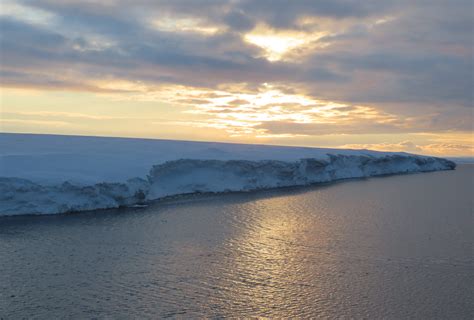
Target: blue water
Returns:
[392, 247]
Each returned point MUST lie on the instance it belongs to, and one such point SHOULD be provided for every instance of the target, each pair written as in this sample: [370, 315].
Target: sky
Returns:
[392, 75]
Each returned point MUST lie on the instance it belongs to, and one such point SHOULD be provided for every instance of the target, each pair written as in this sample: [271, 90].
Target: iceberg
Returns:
[30, 193]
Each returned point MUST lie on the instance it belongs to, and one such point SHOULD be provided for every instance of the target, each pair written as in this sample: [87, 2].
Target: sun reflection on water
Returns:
[264, 272]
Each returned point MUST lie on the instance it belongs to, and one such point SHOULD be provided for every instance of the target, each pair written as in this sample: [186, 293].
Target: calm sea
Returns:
[392, 247]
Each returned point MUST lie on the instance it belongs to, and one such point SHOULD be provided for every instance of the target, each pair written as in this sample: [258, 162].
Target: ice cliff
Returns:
[184, 176]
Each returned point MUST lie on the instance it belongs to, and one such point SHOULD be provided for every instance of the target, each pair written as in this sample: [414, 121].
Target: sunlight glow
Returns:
[274, 45]
[277, 44]
[241, 114]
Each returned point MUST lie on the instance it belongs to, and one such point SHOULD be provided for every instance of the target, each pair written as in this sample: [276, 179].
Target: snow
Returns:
[48, 174]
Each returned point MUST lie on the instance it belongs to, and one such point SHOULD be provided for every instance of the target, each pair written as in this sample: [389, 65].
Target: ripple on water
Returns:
[363, 249]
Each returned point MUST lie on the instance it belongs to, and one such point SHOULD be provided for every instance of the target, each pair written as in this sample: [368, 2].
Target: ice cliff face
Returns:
[190, 176]
[20, 196]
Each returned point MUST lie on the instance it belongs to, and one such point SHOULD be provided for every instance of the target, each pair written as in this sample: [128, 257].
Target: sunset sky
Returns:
[391, 75]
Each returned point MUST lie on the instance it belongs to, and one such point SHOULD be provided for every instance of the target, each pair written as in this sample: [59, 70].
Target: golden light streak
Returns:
[187, 25]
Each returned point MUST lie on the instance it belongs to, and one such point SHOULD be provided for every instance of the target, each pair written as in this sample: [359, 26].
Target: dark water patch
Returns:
[397, 247]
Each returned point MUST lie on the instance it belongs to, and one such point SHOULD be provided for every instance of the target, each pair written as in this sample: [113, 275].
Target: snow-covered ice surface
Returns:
[47, 174]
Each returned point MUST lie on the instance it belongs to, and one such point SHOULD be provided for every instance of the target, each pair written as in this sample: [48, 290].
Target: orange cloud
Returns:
[440, 149]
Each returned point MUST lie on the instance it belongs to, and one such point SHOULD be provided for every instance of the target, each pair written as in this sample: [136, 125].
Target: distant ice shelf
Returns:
[184, 176]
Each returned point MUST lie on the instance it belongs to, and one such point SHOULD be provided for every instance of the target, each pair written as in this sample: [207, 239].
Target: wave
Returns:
[184, 176]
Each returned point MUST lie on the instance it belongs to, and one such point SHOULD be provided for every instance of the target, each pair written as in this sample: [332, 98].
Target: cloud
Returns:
[272, 111]
[441, 149]
[66, 117]
[393, 66]
[47, 123]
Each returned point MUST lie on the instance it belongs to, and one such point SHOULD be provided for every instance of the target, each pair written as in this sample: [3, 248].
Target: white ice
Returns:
[47, 174]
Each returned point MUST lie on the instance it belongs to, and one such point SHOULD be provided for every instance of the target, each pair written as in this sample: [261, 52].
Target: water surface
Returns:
[392, 247]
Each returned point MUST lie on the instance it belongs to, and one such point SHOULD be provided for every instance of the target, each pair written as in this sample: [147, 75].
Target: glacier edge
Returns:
[184, 176]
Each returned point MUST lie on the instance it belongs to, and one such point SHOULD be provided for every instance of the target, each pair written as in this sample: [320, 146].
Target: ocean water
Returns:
[391, 247]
